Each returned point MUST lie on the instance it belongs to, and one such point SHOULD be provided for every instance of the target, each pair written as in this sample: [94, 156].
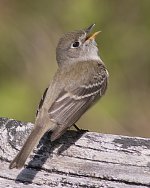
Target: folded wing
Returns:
[71, 104]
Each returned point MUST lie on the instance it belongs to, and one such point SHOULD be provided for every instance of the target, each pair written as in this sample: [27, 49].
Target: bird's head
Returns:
[77, 46]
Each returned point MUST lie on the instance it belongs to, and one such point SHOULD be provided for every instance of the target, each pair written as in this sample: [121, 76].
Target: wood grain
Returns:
[77, 159]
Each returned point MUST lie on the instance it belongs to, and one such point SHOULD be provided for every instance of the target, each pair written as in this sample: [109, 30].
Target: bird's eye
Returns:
[76, 44]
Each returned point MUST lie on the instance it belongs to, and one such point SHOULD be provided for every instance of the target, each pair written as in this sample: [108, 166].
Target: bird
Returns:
[80, 81]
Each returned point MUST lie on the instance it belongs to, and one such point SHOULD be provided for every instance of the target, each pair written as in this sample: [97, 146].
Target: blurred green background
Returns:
[29, 32]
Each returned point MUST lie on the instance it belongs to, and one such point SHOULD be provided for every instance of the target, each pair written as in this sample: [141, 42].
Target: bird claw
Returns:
[80, 130]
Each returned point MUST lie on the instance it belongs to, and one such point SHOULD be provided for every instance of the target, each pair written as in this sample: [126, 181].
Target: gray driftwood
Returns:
[75, 160]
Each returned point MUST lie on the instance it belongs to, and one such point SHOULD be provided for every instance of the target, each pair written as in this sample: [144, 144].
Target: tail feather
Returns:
[31, 142]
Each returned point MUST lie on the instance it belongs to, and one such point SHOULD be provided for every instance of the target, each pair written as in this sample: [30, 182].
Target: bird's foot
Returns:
[78, 129]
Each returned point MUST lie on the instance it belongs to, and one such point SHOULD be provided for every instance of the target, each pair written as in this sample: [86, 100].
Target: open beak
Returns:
[88, 31]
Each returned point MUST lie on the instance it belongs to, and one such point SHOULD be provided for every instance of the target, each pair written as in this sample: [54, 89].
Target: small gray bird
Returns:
[80, 80]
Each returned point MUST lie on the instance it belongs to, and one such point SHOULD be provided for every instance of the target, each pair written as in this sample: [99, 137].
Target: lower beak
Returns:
[92, 36]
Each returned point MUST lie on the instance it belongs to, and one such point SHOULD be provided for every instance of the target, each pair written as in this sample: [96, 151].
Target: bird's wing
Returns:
[41, 101]
[70, 105]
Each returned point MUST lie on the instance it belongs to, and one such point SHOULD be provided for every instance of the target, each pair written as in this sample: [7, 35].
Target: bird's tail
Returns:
[33, 139]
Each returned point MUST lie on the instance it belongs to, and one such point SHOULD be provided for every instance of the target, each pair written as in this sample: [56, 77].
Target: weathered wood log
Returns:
[77, 159]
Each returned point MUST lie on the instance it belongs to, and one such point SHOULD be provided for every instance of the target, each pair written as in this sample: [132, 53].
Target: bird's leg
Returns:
[76, 127]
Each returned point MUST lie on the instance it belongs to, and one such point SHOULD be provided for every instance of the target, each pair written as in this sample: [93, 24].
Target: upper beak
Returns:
[91, 36]
[89, 29]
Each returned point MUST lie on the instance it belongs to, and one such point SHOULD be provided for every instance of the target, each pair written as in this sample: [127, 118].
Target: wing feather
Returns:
[70, 105]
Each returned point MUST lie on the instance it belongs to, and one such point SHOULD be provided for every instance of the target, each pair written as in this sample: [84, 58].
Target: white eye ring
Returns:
[76, 44]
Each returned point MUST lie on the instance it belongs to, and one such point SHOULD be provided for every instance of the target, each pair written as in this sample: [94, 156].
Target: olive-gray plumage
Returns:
[81, 79]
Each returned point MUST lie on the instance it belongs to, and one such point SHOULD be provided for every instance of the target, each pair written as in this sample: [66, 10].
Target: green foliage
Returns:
[28, 38]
